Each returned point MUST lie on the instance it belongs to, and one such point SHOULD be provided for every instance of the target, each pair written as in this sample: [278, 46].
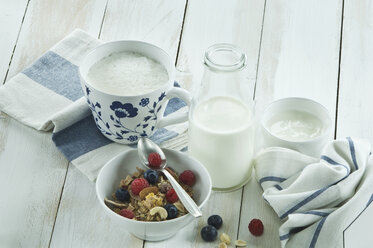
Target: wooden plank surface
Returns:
[210, 22]
[298, 57]
[355, 96]
[156, 22]
[300, 51]
[30, 185]
[123, 20]
[48, 21]
[204, 26]
[11, 15]
[356, 87]
[32, 170]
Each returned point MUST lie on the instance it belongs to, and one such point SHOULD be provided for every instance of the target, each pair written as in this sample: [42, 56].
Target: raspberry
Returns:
[154, 160]
[256, 227]
[127, 213]
[187, 177]
[138, 184]
[171, 196]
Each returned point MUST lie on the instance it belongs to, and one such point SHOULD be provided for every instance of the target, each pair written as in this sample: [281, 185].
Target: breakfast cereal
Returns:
[147, 196]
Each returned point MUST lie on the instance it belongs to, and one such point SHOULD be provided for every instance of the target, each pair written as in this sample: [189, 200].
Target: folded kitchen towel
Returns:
[317, 198]
[48, 96]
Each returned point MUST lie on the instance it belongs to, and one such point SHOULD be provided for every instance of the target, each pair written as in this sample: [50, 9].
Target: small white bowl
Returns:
[311, 147]
[125, 164]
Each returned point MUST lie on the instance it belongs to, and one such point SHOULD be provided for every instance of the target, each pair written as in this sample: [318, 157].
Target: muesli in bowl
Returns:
[149, 196]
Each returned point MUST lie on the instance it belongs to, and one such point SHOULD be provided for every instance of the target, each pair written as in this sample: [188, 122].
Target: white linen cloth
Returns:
[47, 96]
[317, 198]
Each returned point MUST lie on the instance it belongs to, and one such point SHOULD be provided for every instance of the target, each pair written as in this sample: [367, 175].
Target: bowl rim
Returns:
[124, 153]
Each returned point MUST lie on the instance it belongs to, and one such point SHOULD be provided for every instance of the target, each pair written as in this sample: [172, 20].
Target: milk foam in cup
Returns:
[127, 74]
[127, 85]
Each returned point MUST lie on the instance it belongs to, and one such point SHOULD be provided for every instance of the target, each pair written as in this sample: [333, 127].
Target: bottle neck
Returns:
[224, 58]
[224, 75]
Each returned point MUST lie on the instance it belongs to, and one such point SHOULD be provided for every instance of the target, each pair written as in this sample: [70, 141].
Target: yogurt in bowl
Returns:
[297, 123]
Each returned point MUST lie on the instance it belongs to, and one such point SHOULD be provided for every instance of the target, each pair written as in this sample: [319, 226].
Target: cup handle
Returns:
[176, 118]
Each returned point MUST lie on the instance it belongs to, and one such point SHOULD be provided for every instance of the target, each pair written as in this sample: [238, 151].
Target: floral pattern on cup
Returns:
[121, 111]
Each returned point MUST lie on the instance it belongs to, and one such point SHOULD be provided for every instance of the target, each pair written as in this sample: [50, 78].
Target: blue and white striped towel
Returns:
[317, 199]
[47, 95]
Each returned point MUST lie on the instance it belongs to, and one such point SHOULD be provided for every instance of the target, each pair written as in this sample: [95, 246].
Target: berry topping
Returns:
[215, 220]
[127, 213]
[171, 196]
[154, 160]
[138, 184]
[151, 176]
[256, 227]
[171, 211]
[209, 233]
[122, 195]
[187, 177]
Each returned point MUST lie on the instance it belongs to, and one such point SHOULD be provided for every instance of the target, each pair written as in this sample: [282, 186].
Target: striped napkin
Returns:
[317, 199]
[48, 96]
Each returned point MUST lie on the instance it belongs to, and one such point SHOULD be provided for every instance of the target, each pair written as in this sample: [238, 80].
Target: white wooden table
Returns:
[320, 49]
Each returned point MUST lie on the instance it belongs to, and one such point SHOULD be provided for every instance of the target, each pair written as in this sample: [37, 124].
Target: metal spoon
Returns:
[144, 147]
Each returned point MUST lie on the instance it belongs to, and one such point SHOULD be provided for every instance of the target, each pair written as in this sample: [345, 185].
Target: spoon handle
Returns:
[187, 201]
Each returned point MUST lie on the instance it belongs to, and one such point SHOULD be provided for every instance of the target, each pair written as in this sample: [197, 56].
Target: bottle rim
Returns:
[239, 62]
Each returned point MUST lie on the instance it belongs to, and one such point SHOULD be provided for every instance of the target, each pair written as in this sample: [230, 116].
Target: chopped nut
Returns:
[222, 245]
[179, 206]
[225, 238]
[130, 207]
[159, 210]
[143, 210]
[136, 174]
[140, 170]
[115, 204]
[125, 182]
[240, 243]
[148, 190]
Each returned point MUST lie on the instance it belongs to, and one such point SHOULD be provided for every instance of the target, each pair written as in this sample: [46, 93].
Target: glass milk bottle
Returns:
[221, 118]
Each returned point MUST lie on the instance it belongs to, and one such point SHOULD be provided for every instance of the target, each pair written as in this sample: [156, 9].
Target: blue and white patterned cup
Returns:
[124, 119]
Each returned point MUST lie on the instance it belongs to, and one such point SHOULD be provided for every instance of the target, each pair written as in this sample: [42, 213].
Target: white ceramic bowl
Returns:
[125, 164]
[312, 147]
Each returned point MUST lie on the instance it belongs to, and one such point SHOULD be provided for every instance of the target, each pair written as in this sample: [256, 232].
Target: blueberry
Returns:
[122, 195]
[171, 211]
[209, 233]
[215, 220]
[151, 176]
